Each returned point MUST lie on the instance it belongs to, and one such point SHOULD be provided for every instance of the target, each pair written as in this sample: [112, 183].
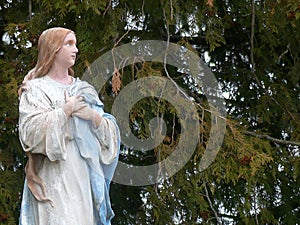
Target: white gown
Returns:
[77, 187]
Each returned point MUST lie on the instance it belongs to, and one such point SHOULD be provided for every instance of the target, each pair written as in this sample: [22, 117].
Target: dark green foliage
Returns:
[253, 52]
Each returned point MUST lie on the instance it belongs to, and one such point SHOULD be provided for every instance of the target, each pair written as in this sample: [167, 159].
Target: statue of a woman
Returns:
[71, 143]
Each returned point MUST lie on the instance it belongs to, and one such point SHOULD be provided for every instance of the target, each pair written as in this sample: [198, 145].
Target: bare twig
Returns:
[173, 129]
[30, 9]
[282, 54]
[171, 8]
[253, 66]
[143, 5]
[107, 8]
[165, 56]
[120, 39]
[252, 35]
[276, 140]
[211, 205]
[115, 45]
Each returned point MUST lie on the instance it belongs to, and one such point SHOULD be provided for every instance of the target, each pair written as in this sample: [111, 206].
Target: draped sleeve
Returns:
[41, 124]
[108, 136]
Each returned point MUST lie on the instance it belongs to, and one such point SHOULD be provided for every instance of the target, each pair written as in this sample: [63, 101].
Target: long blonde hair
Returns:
[49, 43]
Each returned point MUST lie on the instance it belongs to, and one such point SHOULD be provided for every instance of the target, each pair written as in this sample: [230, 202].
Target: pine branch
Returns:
[276, 140]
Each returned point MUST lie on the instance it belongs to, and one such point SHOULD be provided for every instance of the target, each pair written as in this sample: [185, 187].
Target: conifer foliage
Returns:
[252, 47]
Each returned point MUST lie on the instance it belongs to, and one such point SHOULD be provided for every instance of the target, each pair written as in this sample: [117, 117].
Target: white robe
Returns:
[45, 131]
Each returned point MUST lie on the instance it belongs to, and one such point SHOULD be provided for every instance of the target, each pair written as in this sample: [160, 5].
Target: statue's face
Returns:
[66, 56]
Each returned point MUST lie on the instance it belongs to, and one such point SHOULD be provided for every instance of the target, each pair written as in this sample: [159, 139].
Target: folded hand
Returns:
[73, 104]
[87, 113]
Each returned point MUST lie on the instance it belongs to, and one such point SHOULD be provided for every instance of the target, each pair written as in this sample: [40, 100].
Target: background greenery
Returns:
[253, 49]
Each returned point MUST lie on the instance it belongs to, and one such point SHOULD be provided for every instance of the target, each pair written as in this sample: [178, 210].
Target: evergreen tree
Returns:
[252, 47]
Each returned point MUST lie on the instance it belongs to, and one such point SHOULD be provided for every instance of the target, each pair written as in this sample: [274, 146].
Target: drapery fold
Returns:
[67, 152]
[102, 160]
